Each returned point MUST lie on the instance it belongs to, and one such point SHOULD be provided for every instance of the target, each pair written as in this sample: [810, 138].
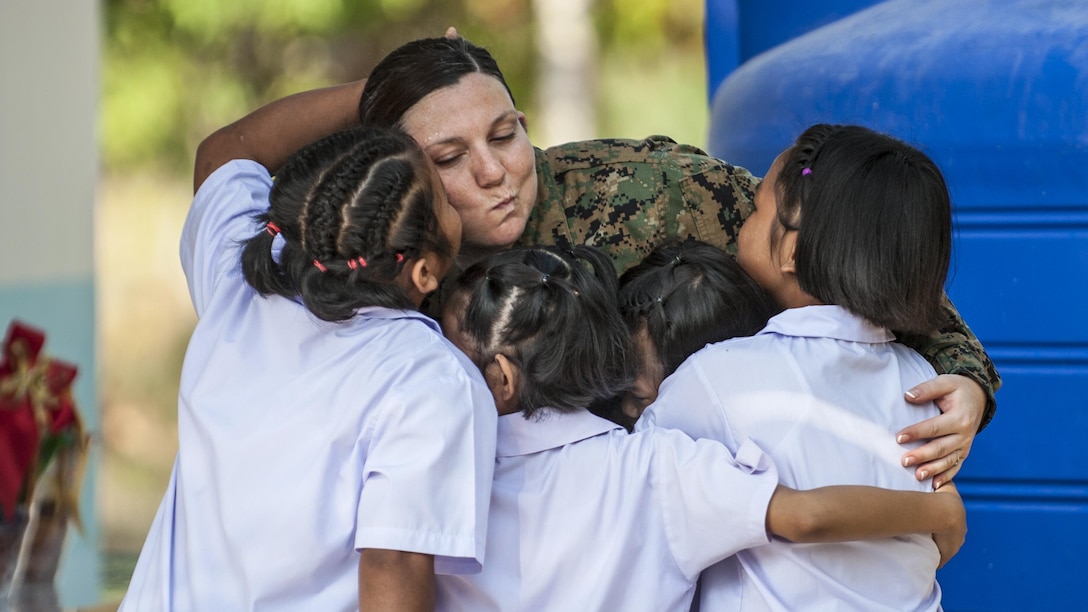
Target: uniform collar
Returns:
[826, 322]
[552, 429]
[380, 312]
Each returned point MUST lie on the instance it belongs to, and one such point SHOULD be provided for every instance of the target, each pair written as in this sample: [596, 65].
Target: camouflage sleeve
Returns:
[627, 197]
[954, 349]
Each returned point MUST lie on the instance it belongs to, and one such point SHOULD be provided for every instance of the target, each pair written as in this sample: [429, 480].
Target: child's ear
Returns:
[503, 378]
[424, 274]
[787, 248]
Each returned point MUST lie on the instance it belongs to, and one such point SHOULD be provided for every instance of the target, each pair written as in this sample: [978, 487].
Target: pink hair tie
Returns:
[400, 257]
[272, 229]
[806, 172]
[317, 264]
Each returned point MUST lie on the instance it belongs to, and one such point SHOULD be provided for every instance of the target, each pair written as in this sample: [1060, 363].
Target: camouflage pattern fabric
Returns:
[628, 196]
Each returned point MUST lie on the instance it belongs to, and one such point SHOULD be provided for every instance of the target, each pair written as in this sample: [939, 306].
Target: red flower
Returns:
[35, 403]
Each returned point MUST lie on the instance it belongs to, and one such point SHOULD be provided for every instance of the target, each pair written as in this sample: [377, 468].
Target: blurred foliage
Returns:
[175, 70]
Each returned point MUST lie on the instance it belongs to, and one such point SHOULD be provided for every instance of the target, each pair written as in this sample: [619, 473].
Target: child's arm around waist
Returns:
[853, 512]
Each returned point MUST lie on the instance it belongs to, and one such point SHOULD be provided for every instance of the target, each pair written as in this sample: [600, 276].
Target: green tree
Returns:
[174, 70]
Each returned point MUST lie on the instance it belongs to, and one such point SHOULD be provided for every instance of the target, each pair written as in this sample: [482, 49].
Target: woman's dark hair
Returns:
[553, 314]
[874, 225]
[352, 208]
[688, 295]
[414, 70]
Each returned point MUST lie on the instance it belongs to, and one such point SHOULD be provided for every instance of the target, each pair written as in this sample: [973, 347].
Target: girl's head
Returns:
[543, 327]
[679, 299]
[451, 97]
[851, 217]
[364, 222]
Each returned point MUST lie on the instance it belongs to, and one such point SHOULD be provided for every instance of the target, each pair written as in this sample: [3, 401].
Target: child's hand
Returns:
[962, 402]
[949, 541]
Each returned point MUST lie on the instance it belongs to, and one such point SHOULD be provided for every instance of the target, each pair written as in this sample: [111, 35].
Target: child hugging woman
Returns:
[335, 450]
[851, 236]
[585, 516]
[677, 300]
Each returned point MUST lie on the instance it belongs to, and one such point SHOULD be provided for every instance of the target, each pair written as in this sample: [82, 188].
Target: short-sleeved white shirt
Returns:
[821, 390]
[303, 441]
[587, 517]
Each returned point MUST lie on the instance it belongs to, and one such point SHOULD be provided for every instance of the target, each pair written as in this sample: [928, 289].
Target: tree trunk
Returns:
[566, 45]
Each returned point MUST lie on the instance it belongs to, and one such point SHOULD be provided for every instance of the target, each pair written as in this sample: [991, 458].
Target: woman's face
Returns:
[477, 140]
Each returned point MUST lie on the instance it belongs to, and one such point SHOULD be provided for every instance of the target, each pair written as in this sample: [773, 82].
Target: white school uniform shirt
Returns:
[821, 390]
[587, 517]
[302, 442]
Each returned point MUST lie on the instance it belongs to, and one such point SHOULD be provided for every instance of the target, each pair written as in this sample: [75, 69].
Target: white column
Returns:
[48, 175]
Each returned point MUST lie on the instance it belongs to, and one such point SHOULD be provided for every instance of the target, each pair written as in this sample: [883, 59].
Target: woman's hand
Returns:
[962, 402]
[949, 541]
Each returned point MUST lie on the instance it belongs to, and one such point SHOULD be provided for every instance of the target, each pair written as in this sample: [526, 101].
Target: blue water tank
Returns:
[996, 92]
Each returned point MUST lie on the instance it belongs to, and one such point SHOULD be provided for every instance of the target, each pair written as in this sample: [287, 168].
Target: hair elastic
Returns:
[806, 171]
[400, 257]
[317, 264]
[358, 262]
[272, 229]
[544, 279]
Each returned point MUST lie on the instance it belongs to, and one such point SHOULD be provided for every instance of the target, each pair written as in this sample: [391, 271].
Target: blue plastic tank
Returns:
[996, 92]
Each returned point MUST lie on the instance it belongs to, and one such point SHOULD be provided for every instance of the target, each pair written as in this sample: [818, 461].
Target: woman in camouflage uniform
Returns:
[623, 196]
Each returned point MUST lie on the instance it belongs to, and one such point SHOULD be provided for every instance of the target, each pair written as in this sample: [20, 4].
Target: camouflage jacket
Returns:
[627, 196]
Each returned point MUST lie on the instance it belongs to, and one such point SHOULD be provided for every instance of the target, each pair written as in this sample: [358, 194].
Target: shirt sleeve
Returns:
[219, 219]
[954, 349]
[713, 503]
[427, 478]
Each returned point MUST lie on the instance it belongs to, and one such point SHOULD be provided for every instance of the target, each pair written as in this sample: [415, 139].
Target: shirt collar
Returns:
[551, 429]
[826, 322]
[380, 312]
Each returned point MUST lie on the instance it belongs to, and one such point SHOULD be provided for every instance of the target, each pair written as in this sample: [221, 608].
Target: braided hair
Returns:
[553, 314]
[874, 222]
[685, 296]
[352, 208]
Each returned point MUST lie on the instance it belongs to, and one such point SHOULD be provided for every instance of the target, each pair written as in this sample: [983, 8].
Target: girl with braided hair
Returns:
[852, 237]
[585, 516]
[335, 450]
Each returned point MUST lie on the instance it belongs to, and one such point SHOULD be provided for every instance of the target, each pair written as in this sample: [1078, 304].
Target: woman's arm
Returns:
[396, 581]
[270, 134]
[844, 513]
